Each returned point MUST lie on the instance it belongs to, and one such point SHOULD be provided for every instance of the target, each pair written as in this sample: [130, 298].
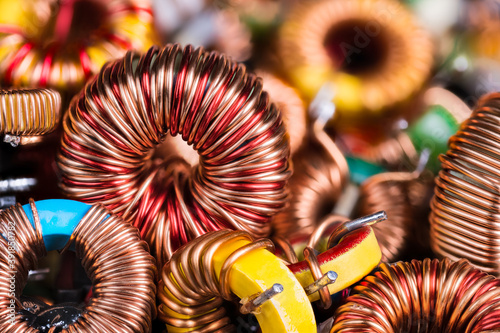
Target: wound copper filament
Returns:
[113, 255]
[112, 128]
[422, 296]
[464, 218]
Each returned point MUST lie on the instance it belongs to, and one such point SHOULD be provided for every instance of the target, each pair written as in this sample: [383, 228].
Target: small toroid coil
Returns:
[422, 296]
[113, 255]
[113, 127]
[464, 218]
[389, 191]
[29, 112]
[69, 45]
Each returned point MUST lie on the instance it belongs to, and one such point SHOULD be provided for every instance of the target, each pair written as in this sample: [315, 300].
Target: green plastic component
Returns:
[432, 131]
[360, 170]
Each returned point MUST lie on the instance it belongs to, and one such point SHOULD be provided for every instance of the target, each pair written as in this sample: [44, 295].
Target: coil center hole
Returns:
[357, 47]
[74, 21]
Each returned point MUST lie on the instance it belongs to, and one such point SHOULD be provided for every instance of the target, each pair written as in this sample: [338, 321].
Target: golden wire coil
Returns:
[422, 296]
[112, 128]
[114, 257]
[320, 173]
[393, 152]
[390, 191]
[190, 279]
[371, 50]
[464, 218]
[73, 43]
[29, 112]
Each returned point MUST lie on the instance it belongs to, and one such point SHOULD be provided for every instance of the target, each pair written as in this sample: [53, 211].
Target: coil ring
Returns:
[400, 53]
[29, 112]
[423, 296]
[38, 59]
[112, 128]
[113, 255]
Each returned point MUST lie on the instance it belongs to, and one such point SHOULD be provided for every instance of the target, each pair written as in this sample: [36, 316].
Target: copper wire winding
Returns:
[422, 296]
[114, 257]
[464, 218]
[112, 128]
[35, 58]
[29, 112]
[390, 191]
[406, 55]
[320, 173]
[190, 278]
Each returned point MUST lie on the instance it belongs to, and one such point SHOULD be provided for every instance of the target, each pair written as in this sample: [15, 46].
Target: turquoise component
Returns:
[58, 218]
[360, 170]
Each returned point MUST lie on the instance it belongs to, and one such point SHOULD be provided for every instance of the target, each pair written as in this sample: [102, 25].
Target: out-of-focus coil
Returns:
[44, 58]
[389, 191]
[114, 125]
[320, 173]
[422, 296]
[400, 52]
[464, 218]
[113, 255]
[29, 112]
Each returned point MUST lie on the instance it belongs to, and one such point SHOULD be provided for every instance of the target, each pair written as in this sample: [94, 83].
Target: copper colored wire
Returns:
[29, 112]
[422, 296]
[114, 257]
[320, 173]
[400, 52]
[464, 218]
[190, 279]
[53, 56]
[112, 128]
[287, 100]
[390, 191]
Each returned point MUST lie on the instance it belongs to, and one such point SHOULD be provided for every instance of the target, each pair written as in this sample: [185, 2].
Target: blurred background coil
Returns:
[390, 191]
[464, 219]
[114, 257]
[29, 112]
[372, 51]
[422, 296]
[71, 42]
[320, 174]
[112, 128]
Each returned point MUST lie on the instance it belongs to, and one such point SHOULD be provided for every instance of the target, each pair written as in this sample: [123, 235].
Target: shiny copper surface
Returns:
[113, 255]
[191, 281]
[114, 125]
[422, 296]
[464, 219]
[29, 112]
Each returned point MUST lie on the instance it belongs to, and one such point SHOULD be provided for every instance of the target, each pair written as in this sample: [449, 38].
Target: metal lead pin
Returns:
[253, 303]
[329, 278]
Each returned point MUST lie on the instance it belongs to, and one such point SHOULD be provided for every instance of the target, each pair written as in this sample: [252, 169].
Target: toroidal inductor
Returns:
[422, 296]
[68, 45]
[320, 174]
[464, 218]
[371, 51]
[26, 113]
[113, 255]
[112, 128]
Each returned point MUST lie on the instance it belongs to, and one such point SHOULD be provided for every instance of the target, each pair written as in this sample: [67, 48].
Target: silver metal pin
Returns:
[253, 303]
[328, 278]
